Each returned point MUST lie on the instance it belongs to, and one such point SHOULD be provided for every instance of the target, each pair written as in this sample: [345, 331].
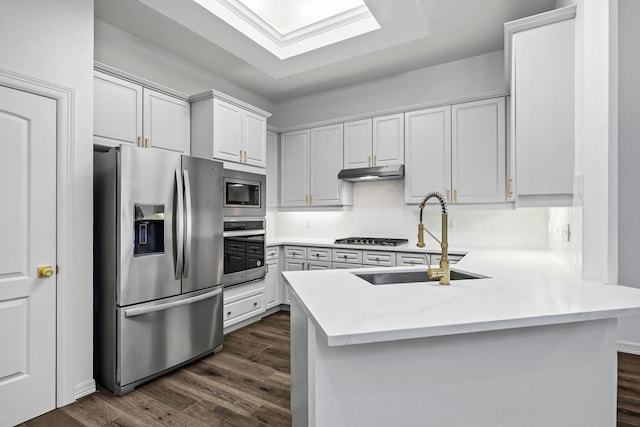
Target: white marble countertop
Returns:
[524, 288]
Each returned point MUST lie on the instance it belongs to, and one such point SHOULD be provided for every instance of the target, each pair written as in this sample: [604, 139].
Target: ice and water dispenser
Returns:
[148, 229]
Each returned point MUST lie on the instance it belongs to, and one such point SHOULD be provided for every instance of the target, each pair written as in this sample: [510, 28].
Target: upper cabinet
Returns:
[128, 113]
[374, 142]
[457, 150]
[228, 131]
[539, 51]
[310, 162]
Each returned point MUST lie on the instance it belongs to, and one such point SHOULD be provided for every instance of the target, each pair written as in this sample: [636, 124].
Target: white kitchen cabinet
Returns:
[128, 113]
[388, 140]
[228, 130]
[412, 258]
[374, 142]
[358, 141]
[540, 70]
[310, 162]
[238, 135]
[117, 111]
[242, 302]
[428, 152]
[378, 258]
[166, 122]
[478, 151]
[351, 256]
[273, 284]
[273, 169]
[457, 150]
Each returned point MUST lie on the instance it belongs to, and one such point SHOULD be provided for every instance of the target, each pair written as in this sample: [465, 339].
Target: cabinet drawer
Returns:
[383, 259]
[344, 265]
[319, 254]
[453, 259]
[413, 258]
[243, 308]
[273, 252]
[346, 255]
[318, 265]
[299, 252]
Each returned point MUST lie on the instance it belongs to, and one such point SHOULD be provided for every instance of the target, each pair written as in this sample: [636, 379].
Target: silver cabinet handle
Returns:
[188, 220]
[178, 220]
[139, 311]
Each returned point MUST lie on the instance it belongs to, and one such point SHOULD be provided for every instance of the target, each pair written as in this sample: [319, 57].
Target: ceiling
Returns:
[414, 34]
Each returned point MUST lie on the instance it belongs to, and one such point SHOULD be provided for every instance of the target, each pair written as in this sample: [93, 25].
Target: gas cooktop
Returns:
[378, 241]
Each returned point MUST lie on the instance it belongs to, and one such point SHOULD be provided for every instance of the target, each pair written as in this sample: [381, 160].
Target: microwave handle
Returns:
[178, 221]
[188, 216]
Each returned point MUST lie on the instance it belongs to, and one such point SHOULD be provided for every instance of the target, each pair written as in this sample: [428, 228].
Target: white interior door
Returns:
[28, 241]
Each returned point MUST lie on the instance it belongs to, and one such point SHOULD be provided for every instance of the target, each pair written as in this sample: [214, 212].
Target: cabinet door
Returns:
[294, 168]
[325, 163]
[227, 131]
[388, 140]
[357, 144]
[478, 152]
[117, 111]
[273, 169]
[428, 153]
[272, 283]
[542, 97]
[166, 122]
[254, 139]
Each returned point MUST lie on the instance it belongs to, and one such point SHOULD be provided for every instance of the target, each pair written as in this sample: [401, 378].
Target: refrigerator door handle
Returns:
[188, 221]
[139, 311]
[178, 220]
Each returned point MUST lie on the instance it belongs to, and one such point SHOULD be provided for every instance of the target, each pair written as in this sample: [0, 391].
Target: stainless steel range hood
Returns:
[372, 173]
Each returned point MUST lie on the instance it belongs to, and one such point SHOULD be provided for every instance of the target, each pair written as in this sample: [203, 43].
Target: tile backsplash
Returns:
[379, 211]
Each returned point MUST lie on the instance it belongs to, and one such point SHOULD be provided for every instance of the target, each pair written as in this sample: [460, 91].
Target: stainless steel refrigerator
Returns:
[158, 255]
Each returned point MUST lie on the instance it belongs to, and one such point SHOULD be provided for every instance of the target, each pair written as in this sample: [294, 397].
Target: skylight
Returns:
[291, 27]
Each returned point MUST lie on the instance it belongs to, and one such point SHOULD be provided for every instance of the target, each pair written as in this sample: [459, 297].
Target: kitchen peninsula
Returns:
[529, 345]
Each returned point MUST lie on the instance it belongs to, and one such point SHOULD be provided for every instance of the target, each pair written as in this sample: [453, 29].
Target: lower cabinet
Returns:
[242, 302]
[273, 283]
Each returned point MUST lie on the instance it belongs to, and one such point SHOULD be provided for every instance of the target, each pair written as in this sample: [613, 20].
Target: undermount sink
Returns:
[393, 277]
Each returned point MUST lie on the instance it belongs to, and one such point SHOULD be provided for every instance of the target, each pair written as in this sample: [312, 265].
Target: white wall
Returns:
[379, 211]
[126, 52]
[629, 159]
[53, 42]
[471, 76]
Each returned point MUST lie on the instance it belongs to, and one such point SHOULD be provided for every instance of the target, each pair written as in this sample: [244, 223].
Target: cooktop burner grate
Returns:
[376, 241]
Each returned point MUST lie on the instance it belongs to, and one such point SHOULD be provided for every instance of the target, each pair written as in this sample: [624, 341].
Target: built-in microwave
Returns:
[244, 194]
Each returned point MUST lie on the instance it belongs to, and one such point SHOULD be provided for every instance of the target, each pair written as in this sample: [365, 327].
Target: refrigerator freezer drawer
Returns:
[157, 336]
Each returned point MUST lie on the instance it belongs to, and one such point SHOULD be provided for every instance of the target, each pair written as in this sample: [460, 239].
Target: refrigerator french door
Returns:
[158, 263]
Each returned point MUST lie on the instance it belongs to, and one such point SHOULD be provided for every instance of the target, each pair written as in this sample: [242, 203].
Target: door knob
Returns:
[45, 271]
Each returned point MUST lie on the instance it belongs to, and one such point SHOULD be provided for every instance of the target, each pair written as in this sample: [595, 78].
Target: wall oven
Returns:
[244, 249]
[244, 194]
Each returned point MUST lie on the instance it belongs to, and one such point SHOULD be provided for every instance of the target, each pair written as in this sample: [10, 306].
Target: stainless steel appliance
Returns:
[244, 249]
[157, 263]
[244, 194]
[376, 241]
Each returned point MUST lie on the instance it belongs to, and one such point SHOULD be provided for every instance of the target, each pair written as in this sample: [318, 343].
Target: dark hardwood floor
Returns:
[247, 384]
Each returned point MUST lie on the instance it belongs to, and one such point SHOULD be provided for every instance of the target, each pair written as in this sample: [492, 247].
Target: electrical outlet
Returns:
[308, 224]
[452, 224]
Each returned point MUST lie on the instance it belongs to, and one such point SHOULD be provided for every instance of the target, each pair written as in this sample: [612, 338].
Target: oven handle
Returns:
[242, 233]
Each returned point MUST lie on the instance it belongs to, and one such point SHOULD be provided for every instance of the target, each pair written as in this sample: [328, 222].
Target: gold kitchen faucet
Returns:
[442, 273]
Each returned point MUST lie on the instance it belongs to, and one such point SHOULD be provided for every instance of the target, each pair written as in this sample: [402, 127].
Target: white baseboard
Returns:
[629, 347]
[84, 389]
